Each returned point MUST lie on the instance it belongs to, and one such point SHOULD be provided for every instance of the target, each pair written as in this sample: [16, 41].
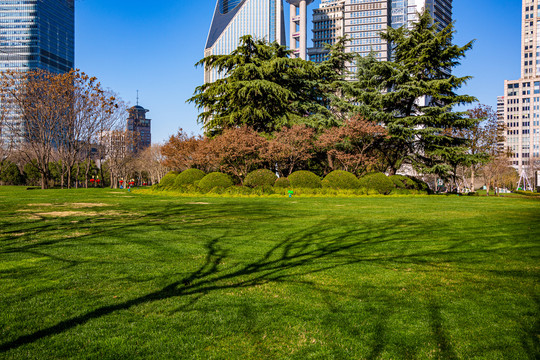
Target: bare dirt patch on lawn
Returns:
[86, 205]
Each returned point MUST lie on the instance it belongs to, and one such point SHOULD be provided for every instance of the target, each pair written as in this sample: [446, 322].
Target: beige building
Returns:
[328, 27]
[522, 97]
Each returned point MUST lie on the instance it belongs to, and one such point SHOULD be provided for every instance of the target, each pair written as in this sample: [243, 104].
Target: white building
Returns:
[522, 97]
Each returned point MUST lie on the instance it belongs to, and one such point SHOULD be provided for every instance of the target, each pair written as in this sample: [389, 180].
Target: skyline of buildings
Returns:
[361, 21]
[263, 19]
[34, 34]
[298, 27]
[522, 97]
[37, 34]
[140, 126]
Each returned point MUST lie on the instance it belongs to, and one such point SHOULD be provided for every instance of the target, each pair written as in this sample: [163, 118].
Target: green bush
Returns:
[168, 180]
[409, 183]
[339, 179]
[418, 184]
[399, 181]
[282, 182]
[215, 180]
[261, 177]
[188, 177]
[377, 182]
[10, 174]
[305, 179]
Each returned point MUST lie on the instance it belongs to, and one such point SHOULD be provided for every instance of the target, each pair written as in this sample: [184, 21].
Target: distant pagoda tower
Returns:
[140, 126]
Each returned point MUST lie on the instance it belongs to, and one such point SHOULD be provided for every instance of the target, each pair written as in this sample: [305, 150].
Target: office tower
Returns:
[522, 97]
[262, 19]
[328, 26]
[363, 20]
[298, 27]
[37, 34]
[140, 126]
[500, 109]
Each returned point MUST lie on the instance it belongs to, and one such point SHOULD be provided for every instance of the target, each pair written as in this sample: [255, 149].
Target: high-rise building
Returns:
[37, 34]
[140, 126]
[262, 19]
[363, 20]
[328, 26]
[298, 27]
[522, 97]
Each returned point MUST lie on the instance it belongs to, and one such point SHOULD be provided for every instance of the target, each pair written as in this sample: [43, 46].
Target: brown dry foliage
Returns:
[238, 151]
[290, 147]
[351, 147]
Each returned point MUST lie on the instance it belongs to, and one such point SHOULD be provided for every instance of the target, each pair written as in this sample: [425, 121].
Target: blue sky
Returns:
[132, 46]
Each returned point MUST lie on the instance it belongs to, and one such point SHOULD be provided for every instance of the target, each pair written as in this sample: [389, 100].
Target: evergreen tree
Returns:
[262, 87]
[414, 96]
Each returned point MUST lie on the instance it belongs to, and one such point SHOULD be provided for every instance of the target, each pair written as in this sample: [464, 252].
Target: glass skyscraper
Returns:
[361, 21]
[37, 34]
[263, 19]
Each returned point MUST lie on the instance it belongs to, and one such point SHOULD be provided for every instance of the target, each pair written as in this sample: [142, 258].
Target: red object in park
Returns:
[92, 180]
[98, 180]
[121, 181]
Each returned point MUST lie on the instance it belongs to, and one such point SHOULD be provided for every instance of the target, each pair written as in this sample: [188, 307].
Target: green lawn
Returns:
[108, 274]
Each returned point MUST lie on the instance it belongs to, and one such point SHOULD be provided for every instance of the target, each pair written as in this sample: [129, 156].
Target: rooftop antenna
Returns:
[137, 97]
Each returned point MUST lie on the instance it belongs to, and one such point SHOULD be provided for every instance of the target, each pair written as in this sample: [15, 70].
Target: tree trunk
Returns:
[101, 174]
[43, 181]
[77, 176]
[472, 179]
[86, 173]
[69, 177]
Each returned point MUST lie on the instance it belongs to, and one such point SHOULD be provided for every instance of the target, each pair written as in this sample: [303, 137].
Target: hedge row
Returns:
[266, 181]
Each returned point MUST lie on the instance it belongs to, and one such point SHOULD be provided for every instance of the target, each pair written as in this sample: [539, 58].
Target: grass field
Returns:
[108, 274]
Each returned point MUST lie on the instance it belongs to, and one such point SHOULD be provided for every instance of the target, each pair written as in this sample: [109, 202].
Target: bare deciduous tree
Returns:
[53, 116]
[151, 161]
[120, 159]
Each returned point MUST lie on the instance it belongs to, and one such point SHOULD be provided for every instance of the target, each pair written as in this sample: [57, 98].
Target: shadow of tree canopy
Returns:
[324, 246]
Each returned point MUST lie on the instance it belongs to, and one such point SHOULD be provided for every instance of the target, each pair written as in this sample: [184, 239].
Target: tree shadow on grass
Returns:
[306, 252]
[315, 250]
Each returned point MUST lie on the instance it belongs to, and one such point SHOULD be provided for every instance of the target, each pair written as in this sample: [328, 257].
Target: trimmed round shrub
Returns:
[282, 182]
[215, 180]
[377, 182]
[168, 180]
[305, 179]
[399, 181]
[418, 184]
[339, 179]
[188, 177]
[261, 177]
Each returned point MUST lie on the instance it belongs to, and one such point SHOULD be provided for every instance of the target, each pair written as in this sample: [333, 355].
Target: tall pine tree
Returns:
[262, 87]
[414, 97]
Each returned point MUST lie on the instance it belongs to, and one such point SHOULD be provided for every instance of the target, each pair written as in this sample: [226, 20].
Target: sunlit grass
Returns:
[110, 275]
